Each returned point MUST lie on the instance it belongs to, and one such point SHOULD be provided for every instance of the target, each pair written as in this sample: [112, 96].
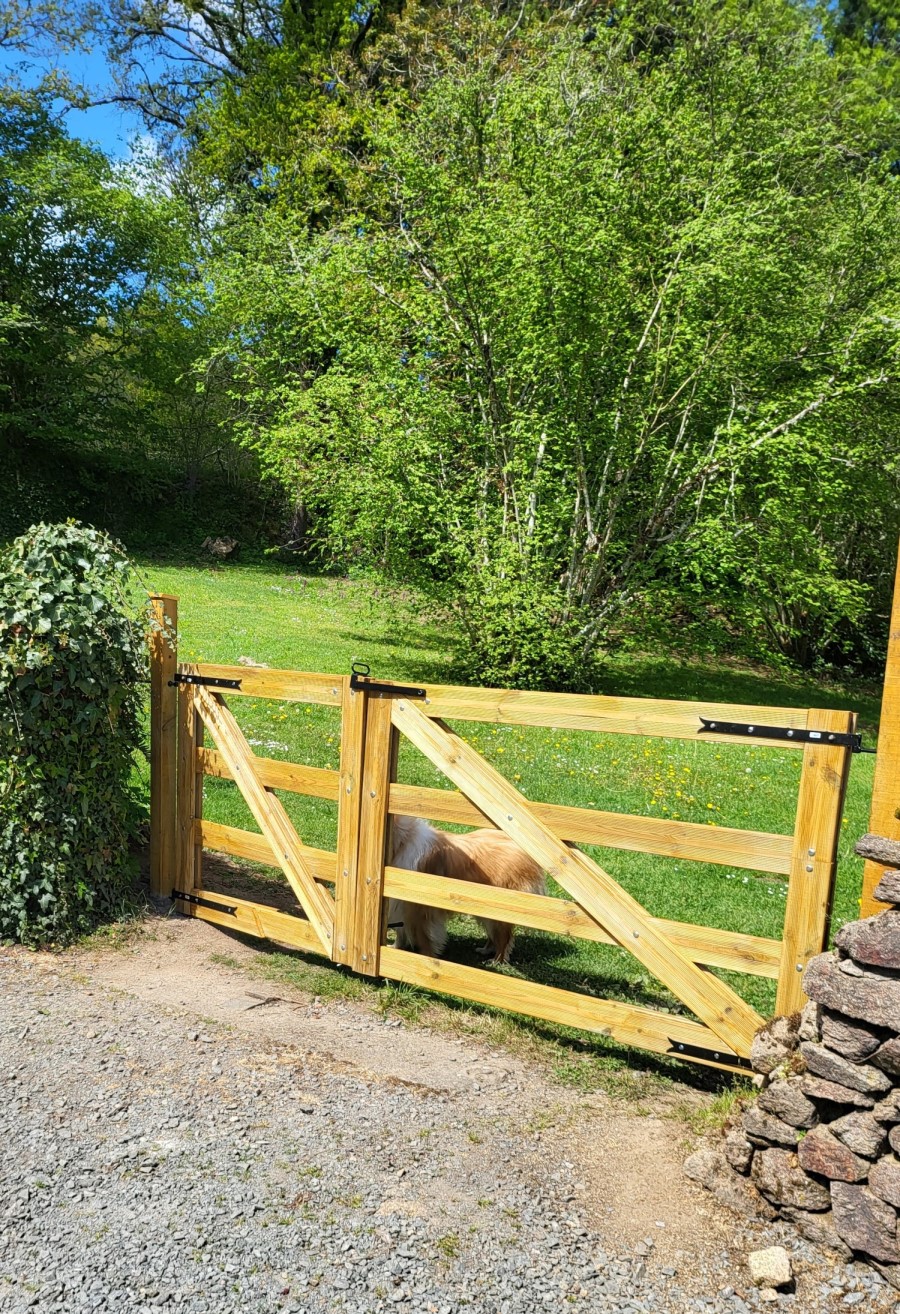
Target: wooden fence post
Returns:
[163, 643]
[353, 727]
[884, 819]
[823, 782]
[189, 868]
[379, 768]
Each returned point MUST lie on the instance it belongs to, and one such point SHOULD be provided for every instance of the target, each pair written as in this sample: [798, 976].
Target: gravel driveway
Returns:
[156, 1159]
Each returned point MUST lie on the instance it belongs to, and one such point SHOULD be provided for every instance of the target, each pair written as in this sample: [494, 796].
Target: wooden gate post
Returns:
[354, 703]
[163, 644]
[379, 769]
[823, 782]
[884, 819]
[189, 867]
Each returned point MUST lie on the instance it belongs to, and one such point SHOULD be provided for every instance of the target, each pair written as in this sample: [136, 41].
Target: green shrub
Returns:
[72, 656]
[521, 633]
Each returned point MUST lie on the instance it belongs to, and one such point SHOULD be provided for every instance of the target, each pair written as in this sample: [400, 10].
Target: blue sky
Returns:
[106, 126]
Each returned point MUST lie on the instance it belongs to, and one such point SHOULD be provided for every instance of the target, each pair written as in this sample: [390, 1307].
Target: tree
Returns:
[617, 318]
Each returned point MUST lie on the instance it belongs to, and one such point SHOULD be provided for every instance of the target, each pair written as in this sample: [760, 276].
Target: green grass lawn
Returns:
[274, 616]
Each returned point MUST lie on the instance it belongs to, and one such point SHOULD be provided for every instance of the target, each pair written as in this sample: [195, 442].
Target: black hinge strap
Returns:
[680, 1050]
[836, 738]
[204, 903]
[359, 673]
[207, 681]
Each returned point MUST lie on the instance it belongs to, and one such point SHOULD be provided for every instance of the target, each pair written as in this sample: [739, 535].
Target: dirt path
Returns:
[607, 1179]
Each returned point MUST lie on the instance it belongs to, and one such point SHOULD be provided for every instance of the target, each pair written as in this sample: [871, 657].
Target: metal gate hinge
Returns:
[204, 903]
[359, 679]
[681, 1050]
[835, 738]
[207, 681]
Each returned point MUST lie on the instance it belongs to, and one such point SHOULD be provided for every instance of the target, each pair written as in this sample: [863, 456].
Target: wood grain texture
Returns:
[602, 714]
[188, 866]
[268, 812]
[317, 782]
[626, 1023]
[353, 727]
[751, 849]
[163, 644]
[823, 781]
[379, 761]
[283, 686]
[254, 919]
[729, 949]
[610, 906]
[884, 817]
[214, 836]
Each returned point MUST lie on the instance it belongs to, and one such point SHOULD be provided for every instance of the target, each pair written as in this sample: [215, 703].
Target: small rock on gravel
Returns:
[770, 1267]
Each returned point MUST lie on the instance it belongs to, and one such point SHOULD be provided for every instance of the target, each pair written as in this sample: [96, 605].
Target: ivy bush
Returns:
[72, 659]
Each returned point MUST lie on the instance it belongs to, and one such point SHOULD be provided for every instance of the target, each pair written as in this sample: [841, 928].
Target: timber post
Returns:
[823, 784]
[884, 818]
[163, 644]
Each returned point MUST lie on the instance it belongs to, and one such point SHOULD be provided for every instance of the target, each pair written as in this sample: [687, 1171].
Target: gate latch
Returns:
[836, 738]
[359, 679]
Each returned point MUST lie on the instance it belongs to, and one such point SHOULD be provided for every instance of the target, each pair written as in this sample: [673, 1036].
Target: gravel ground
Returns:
[154, 1160]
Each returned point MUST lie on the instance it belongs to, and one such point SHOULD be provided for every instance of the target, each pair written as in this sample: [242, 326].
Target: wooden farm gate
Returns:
[342, 893]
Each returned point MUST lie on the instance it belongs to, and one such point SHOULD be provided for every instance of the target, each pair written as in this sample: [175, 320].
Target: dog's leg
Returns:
[435, 931]
[500, 939]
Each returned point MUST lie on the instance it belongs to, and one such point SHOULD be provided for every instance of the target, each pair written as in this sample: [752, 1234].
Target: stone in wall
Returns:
[834, 1067]
[874, 942]
[822, 1143]
[774, 1043]
[854, 1040]
[766, 1129]
[778, 1176]
[862, 1133]
[829, 1092]
[884, 1180]
[821, 1153]
[872, 997]
[866, 1223]
[888, 888]
[888, 1057]
[786, 1100]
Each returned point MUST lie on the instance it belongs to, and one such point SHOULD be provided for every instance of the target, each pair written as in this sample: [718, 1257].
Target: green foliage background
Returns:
[584, 321]
[72, 664]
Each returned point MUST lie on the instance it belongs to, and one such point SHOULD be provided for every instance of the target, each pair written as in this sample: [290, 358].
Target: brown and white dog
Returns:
[486, 857]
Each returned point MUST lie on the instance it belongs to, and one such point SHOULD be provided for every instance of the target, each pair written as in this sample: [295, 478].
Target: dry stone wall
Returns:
[821, 1146]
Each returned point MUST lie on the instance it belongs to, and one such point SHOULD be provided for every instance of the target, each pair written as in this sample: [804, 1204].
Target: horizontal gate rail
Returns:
[732, 950]
[629, 1024]
[722, 845]
[661, 718]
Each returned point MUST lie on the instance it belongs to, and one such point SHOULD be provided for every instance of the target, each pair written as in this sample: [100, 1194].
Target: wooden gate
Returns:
[341, 894]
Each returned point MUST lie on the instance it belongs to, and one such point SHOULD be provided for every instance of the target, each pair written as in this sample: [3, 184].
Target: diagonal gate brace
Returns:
[269, 813]
[613, 909]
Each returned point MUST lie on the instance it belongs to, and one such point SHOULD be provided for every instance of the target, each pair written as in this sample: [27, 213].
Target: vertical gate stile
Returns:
[190, 733]
[823, 782]
[353, 731]
[163, 645]
[374, 834]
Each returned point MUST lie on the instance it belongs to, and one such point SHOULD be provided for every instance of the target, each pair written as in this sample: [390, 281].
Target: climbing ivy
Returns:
[72, 658]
